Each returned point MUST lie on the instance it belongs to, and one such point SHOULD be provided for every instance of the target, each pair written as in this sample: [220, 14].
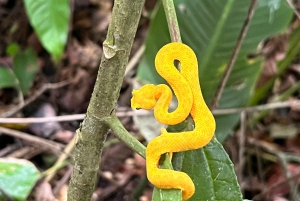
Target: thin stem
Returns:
[268, 106]
[135, 59]
[281, 97]
[54, 147]
[74, 117]
[235, 52]
[284, 159]
[122, 134]
[241, 153]
[61, 160]
[34, 96]
[172, 20]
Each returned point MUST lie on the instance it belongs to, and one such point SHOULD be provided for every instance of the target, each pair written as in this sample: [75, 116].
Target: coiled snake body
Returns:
[186, 87]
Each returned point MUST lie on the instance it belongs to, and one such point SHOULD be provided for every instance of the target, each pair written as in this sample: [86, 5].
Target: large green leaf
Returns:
[17, 178]
[213, 174]
[211, 29]
[50, 19]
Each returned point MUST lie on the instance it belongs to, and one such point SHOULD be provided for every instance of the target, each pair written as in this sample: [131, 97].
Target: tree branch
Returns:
[93, 130]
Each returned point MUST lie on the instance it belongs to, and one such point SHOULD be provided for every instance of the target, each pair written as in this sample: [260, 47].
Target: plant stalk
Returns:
[93, 130]
[172, 20]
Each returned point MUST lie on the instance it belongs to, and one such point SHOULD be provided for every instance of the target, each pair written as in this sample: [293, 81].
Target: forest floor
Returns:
[271, 163]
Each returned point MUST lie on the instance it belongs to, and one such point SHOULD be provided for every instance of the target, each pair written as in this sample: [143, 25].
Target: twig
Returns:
[135, 59]
[34, 96]
[59, 163]
[257, 108]
[8, 149]
[284, 163]
[74, 117]
[276, 185]
[281, 97]
[235, 52]
[47, 144]
[242, 138]
[283, 158]
[26, 152]
[63, 180]
[172, 20]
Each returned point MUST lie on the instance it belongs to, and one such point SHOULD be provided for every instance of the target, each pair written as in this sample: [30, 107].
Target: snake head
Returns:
[144, 98]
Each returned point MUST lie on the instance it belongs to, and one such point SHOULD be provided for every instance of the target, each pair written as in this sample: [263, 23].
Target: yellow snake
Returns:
[186, 87]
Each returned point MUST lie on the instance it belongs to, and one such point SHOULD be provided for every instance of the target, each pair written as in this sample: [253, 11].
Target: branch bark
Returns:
[93, 130]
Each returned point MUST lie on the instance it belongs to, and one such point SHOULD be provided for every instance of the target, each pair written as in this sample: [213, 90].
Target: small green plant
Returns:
[23, 72]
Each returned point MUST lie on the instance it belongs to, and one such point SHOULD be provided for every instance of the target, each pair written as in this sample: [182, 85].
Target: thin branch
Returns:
[47, 144]
[39, 92]
[122, 134]
[64, 180]
[63, 118]
[275, 186]
[284, 165]
[217, 112]
[283, 158]
[234, 55]
[94, 129]
[171, 17]
[135, 59]
[269, 106]
[241, 141]
[59, 163]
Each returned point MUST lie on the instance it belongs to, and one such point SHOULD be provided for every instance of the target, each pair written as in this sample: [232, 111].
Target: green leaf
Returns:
[25, 68]
[50, 19]
[17, 178]
[166, 195]
[212, 172]
[211, 29]
[7, 78]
